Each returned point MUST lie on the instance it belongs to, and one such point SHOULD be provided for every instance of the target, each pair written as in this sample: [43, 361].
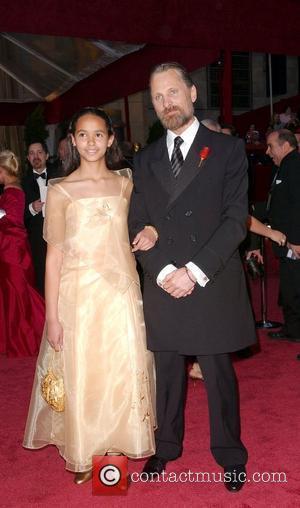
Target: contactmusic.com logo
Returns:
[110, 475]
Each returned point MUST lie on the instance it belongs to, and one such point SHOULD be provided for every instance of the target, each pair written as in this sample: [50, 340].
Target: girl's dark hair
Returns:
[113, 153]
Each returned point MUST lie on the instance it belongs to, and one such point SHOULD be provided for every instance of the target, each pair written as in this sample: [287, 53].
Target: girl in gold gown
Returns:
[94, 316]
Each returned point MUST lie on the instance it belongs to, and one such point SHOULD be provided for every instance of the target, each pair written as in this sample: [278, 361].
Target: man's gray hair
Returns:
[166, 66]
[286, 135]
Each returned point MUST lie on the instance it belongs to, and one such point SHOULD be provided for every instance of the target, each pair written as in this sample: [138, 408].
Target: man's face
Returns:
[276, 151]
[172, 100]
[37, 157]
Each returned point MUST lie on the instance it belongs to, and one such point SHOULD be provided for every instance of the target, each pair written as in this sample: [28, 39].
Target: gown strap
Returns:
[122, 186]
[56, 183]
[125, 181]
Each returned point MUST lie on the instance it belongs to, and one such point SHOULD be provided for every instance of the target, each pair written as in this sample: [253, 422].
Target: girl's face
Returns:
[91, 138]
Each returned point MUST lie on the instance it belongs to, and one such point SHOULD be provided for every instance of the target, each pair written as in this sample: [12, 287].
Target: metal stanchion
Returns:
[265, 323]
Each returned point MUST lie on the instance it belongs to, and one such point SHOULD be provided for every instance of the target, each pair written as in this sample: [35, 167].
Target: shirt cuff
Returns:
[32, 211]
[200, 276]
[164, 272]
[290, 254]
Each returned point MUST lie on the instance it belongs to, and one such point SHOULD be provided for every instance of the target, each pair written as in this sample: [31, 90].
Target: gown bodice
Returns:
[92, 232]
[14, 245]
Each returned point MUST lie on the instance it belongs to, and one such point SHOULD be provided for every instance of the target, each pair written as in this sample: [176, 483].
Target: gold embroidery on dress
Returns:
[143, 379]
[104, 210]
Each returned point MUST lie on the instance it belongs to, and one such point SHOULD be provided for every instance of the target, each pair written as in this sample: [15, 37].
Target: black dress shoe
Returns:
[234, 477]
[154, 467]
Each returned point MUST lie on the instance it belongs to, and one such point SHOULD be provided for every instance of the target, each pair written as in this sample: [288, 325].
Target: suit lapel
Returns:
[190, 168]
[34, 185]
[161, 167]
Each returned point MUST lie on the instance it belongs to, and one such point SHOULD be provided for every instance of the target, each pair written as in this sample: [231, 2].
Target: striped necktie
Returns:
[177, 158]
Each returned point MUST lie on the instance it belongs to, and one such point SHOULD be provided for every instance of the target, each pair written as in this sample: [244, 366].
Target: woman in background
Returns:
[21, 307]
[257, 227]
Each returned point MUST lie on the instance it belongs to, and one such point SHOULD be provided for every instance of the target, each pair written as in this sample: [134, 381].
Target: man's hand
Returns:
[144, 240]
[37, 205]
[179, 283]
[295, 249]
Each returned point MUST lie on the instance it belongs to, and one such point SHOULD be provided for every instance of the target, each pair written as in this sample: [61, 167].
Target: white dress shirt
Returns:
[42, 182]
[188, 137]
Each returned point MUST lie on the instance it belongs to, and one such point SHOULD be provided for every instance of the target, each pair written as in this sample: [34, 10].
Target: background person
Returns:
[284, 214]
[34, 185]
[21, 307]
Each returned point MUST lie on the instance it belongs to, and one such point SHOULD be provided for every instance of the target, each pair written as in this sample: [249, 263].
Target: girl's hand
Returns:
[55, 335]
[145, 239]
[256, 254]
[295, 249]
[277, 237]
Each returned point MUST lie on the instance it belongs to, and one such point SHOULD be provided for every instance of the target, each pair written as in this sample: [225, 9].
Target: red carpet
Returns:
[269, 393]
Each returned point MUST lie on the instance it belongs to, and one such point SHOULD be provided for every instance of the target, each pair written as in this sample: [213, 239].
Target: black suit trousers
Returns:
[290, 295]
[222, 392]
[38, 250]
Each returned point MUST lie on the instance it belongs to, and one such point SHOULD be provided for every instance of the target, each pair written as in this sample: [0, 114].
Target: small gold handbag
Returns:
[53, 391]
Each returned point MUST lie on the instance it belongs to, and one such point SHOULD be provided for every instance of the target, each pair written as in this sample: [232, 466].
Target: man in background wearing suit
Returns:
[35, 185]
[191, 185]
[284, 215]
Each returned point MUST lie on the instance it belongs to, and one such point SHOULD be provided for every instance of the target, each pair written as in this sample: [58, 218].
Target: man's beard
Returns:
[177, 120]
[37, 164]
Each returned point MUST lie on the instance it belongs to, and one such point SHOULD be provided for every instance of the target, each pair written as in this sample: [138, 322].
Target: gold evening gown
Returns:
[107, 370]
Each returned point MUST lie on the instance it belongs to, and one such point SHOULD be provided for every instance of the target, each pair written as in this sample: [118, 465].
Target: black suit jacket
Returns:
[284, 213]
[34, 225]
[200, 217]
[32, 193]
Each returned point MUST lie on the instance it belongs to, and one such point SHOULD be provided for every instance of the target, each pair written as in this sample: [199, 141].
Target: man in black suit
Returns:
[34, 185]
[191, 185]
[284, 215]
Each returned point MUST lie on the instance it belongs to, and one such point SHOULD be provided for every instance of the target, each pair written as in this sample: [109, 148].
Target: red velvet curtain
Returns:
[192, 32]
[226, 88]
[269, 26]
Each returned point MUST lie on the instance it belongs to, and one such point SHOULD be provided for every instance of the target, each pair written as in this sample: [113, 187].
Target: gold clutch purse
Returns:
[53, 391]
